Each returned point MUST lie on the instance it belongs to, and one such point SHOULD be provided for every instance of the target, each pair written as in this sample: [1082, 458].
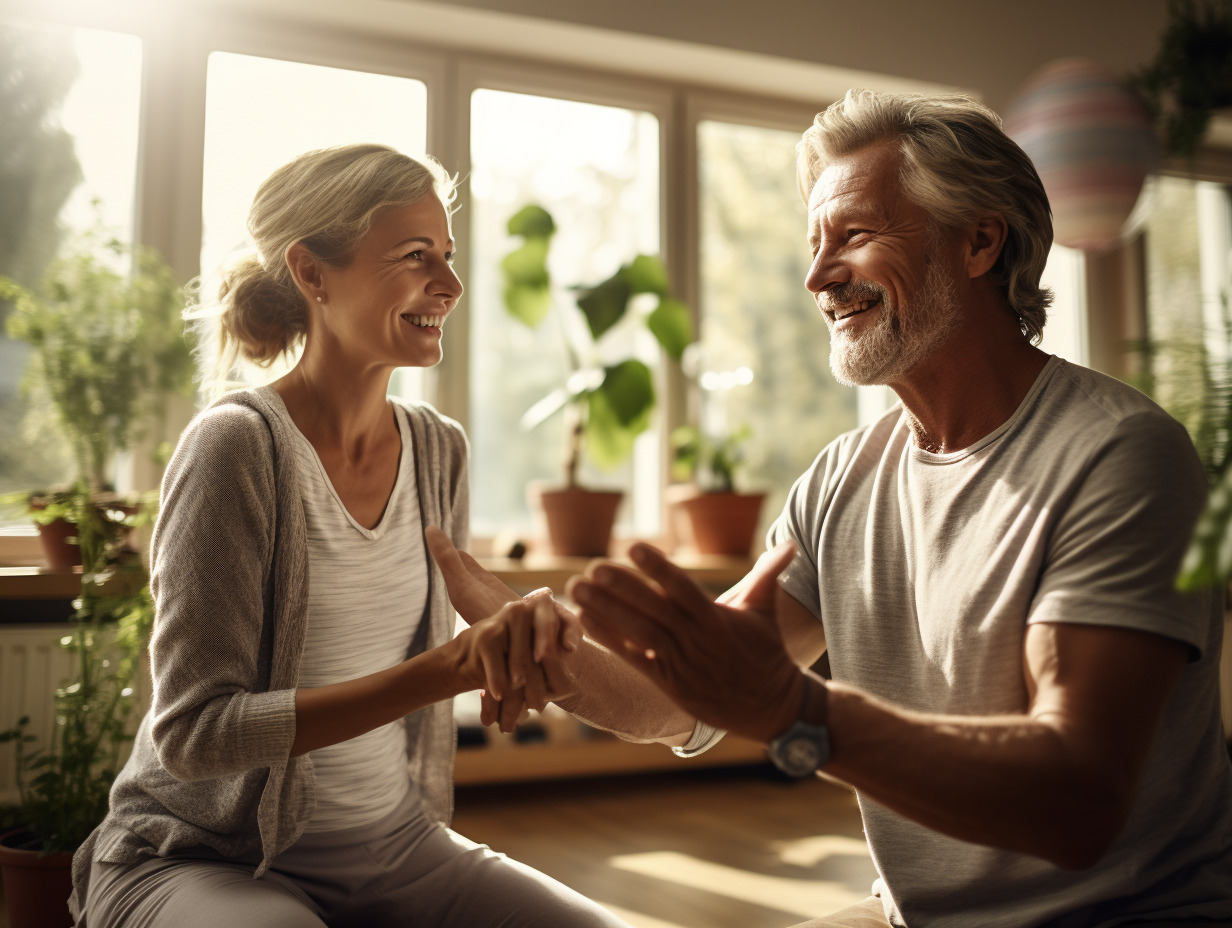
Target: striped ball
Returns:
[1092, 144]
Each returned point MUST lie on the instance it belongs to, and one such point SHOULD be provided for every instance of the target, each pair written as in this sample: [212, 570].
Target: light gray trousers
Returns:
[420, 875]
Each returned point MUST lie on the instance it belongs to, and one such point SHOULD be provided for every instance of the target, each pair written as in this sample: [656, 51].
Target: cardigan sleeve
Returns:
[212, 578]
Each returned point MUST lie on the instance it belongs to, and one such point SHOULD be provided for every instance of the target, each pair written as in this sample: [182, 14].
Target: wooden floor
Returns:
[722, 848]
[734, 848]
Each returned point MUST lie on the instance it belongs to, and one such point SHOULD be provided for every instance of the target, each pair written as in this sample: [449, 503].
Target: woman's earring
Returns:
[320, 299]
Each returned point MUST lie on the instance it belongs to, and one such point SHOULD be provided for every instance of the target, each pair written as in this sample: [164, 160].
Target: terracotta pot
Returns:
[579, 521]
[716, 523]
[61, 553]
[36, 886]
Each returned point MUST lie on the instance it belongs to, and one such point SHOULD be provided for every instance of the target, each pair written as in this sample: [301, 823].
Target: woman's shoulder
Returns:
[235, 427]
[426, 418]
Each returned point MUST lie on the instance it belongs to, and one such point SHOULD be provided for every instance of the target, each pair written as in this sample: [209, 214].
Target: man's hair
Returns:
[957, 163]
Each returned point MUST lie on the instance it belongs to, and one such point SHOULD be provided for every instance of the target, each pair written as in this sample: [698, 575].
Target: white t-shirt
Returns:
[925, 570]
[367, 591]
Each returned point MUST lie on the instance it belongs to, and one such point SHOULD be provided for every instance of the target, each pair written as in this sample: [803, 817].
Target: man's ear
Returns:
[983, 243]
[305, 270]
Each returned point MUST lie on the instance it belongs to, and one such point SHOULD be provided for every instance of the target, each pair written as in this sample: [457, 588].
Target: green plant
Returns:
[108, 346]
[1191, 74]
[709, 461]
[64, 786]
[607, 405]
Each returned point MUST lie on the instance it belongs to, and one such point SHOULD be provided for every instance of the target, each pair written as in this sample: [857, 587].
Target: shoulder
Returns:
[234, 433]
[1102, 416]
[441, 433]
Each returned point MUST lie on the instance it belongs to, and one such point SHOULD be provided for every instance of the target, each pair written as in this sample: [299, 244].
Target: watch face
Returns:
[801, 755]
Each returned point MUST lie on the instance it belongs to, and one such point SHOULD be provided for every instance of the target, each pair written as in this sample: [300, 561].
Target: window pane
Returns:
[1189, 275]
[1065, 333]
[596, 170]
[756, 315]
[262, 112]
[69, 105]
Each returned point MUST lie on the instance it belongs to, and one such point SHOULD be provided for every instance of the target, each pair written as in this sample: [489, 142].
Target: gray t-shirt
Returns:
[925, 570]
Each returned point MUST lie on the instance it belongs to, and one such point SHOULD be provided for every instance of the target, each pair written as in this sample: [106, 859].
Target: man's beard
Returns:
[897, 343]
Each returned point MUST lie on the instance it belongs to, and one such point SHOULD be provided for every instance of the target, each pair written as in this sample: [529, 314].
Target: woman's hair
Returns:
[957, 163]
[324, 199]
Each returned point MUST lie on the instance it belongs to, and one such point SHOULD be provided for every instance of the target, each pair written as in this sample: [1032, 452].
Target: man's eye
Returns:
[852, 233]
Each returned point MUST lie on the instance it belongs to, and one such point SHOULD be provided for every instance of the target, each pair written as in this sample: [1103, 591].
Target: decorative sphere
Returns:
[1092, 144]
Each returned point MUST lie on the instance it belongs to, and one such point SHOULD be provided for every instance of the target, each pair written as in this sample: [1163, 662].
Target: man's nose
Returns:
[826, 272]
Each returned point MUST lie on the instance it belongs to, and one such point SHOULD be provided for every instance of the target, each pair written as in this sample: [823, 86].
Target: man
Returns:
[1027, 708]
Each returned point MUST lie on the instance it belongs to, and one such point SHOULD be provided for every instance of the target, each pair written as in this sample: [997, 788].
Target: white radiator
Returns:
[32, 666]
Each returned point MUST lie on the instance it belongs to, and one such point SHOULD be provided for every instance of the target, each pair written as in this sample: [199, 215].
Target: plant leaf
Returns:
[532, 222]
[647, 275]
[629, 389]
[672, 325]
[605, 304]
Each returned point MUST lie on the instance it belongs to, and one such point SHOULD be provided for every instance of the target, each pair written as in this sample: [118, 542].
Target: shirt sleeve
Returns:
[1115, 554]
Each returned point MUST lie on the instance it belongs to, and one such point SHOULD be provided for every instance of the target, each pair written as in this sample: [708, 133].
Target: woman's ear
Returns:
[305, 270]
[985, 238]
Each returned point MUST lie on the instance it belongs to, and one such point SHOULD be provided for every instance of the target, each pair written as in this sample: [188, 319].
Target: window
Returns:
[262, 112]
[69, 103]
[764, 359]
[1189, 288]
[596, 170]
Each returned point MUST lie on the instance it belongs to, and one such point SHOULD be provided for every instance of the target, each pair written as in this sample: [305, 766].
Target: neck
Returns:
[336, 406]
[965, 392]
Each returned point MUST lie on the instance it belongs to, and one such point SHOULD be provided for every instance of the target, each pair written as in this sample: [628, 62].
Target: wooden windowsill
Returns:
[531, 572]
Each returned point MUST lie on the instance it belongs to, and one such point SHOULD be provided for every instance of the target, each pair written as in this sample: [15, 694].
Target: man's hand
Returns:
[724, 663]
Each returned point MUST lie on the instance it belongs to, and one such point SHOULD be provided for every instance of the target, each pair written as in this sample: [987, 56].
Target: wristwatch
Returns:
[801, 750]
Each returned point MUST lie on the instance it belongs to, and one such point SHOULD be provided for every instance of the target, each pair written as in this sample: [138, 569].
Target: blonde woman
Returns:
[295, 766]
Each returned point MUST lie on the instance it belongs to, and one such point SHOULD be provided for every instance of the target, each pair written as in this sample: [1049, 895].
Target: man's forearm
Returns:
[616, 698]
[1005, 781]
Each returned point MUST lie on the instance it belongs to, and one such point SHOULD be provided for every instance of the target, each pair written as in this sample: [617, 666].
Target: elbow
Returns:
[1085, 828]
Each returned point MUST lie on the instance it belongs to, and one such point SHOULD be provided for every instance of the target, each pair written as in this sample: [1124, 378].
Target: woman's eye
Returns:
[413, 255]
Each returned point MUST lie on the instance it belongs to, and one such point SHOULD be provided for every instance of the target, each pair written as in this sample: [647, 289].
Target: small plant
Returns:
[64, 786]
[607, 405]
[709, 461]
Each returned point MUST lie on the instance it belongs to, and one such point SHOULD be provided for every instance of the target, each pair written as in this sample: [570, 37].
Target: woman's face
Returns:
[387, 306]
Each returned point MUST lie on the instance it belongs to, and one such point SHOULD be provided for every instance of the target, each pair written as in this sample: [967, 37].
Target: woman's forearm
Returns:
[330, 714]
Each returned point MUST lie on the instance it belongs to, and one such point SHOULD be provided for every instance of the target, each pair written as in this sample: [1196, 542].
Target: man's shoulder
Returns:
[1075, 391]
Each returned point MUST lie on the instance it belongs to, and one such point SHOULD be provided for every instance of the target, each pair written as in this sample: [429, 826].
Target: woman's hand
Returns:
[520, 655]
[474, 592]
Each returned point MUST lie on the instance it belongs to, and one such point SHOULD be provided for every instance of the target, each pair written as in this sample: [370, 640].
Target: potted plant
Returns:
[1190, 77]
[708, 513]
[606, 403]
[108, 348]
[64, 785]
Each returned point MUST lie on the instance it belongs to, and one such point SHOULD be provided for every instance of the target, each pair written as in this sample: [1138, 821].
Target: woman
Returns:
[295, 765]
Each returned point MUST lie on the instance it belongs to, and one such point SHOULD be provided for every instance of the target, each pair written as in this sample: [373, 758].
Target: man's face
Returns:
[879, 276]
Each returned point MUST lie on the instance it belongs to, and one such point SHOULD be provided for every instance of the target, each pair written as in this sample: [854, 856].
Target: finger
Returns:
[489, 708]
[520, 628]
[610, 621]
[445, 554]
[536, 689]
[571, 631]
[512, 710]
[492, 654]
[547, 628]
[677, 584]
[484, 576]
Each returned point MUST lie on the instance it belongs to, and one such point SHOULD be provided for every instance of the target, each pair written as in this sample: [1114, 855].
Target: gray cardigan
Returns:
[211, 770]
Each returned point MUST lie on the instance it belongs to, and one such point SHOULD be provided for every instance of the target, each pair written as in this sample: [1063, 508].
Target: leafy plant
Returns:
[108, 346]
[607, 405]
[64, 786]
[710, 461]
[1191, 75]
